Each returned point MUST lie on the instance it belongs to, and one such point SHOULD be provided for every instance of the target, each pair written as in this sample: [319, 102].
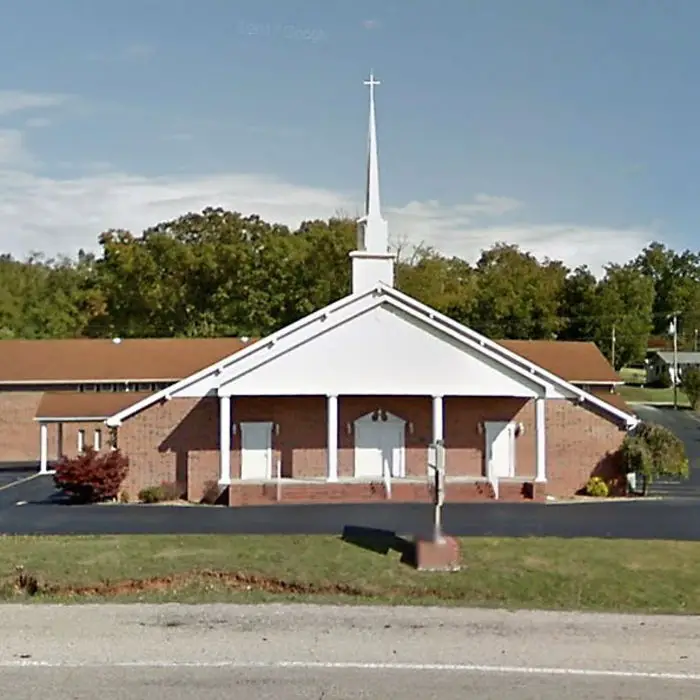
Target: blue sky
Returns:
[569, 128]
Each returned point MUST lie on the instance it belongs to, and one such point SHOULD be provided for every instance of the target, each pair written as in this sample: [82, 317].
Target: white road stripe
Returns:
[360, 666]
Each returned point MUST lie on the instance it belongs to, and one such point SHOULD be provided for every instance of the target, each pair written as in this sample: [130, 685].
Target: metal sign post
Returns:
[436, 462]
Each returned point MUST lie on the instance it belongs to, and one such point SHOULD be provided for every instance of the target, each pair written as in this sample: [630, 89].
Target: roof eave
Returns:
[70, 419]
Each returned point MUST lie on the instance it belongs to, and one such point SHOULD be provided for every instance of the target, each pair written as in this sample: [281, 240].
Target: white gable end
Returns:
[381, 351]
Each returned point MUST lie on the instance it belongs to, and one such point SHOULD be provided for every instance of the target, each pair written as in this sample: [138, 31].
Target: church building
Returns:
[340, 406]
[343, 404]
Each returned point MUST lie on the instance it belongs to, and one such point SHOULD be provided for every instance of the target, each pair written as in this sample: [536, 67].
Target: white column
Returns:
[540, 440]
[438, 418]
[43, 448]
[332, 439]
[224, 440]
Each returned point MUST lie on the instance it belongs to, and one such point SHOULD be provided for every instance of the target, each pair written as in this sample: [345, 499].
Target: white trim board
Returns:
[318, 322]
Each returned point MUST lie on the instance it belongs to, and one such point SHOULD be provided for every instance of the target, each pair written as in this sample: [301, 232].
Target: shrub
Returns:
[124, 497]
[166, 491]
[171, 491]
[212, 493]
[654, 451]
[597, 487]
[151, 494]
[92, 477]
[690, 383]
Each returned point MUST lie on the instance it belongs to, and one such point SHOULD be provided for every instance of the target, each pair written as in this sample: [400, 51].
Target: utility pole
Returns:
[695, 341]
[613, 345]
[674, 329]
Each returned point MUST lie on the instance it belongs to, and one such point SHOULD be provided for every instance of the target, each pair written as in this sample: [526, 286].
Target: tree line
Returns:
[219, 273]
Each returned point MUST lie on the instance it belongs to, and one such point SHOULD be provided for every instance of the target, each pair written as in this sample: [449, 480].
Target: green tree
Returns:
[690, 383]
[579, 306]
[516, 296]
[625, 299]
[445, 284]
[654, 452]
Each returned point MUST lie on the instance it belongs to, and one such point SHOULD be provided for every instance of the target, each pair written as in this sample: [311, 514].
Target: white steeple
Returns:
[372, 262]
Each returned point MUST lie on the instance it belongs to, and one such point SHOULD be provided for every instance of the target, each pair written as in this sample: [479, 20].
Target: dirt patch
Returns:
[30, 585]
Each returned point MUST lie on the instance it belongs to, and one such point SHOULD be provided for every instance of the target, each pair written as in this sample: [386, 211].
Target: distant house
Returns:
[661, 361]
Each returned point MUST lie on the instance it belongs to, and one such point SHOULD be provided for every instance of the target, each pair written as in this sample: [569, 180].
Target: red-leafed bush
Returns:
[92, 477]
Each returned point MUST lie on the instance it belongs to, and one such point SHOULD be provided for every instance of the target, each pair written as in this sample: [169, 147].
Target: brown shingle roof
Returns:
[172, 359]
[614, 400]
[574, 361]
[90, 404]
[89, 360]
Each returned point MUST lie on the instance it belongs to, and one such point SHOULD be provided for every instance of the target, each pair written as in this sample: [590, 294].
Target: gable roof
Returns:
[577, 362]
[383, 294]
[88, 360]
[684, 357]
[89, 405]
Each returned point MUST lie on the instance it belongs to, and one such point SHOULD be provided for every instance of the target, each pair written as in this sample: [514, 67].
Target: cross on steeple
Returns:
[372, 203]
[372, 262]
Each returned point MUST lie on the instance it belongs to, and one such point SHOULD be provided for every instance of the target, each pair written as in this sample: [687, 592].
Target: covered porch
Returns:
[71, 421]
[364, 448]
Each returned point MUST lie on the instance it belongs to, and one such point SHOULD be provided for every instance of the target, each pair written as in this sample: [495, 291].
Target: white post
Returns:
[438, 418]
[332, 439]
[224, 440]
[43, 448]
[540, 441]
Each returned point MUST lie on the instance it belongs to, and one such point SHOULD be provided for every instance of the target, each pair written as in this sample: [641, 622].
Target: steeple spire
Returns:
[372, 262]
[372, 202]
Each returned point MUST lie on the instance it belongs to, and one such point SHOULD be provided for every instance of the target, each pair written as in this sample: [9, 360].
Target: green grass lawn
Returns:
[641, 394]
[634, 391]
[605, 575]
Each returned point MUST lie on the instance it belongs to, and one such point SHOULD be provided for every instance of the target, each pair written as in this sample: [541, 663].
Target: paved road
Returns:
[676, 520]
[685, 424]
[265, 652]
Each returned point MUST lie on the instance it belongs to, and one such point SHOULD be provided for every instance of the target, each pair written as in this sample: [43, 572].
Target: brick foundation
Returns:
[256, 494]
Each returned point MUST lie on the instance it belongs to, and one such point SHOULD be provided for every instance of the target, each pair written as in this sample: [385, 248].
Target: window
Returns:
[97, 441]
[81, 440]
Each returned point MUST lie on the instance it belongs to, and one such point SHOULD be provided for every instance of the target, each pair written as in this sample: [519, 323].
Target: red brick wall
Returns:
[243, 494]
[580, 444]
[177, 440]
[465, 442]
[19, 433]
[172, 441]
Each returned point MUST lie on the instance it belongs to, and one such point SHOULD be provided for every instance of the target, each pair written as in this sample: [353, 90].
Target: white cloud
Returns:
[61, 216]
[38, 122]
[12, 150]
[465, 230]
[17, 100]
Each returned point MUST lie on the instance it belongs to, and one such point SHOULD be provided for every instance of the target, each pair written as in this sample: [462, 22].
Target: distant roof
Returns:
[613, 399]
[91, 360]
[684, 358]
[94, 405]
[87, 360]
[576, 361]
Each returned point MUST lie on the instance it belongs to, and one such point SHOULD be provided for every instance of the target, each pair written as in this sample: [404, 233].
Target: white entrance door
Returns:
[256, 451]
[379, 448]
[500, 449]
